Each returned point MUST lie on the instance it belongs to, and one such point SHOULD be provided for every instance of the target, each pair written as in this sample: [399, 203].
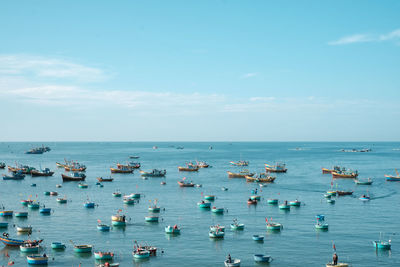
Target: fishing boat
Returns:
[45, 172]
[284, 206]
[274, 226]
[241, 174]
[232, 263]
[2, 165]
[62, 200]
[6, 213]
[129, 201]
[46, 193]
[329, 171]
[344, 193]
[320, 225]
[262, 258]
[83, 248]
[260, 178]
[34, 205]
[45, 211]
[190, 167]
[252, 201]
[60, 165]
[141, 254]
[151, 218]
[258, 238]
[339, 264]
[76, 176]
[25, 202]
[16, 242]
[184, 183]
[154, 173]
[272, 201]
[216, 234]
[88, 204]
[134, 157]
[117, 194]
[53, 193]
[175, 230]
[345, 174]
[363, 182]
[14, 176]
[129, 165]
[393, 178]
[133, 195]
[215, 228]
[241, 163]
[37, 259]
[385, 245]
[331, 192]
[202, 164]
[3, 224]
[29, 248]
[237, 226]
[24, 229]
[103, 227]
[100, 255]
[295, 203]
[154, 209]
[101, 179]
[24, 169]
[218, 210]
[57, 245]
[365, 198]
[82, 185]
[121, 170]
[278, 167]
[330, 201]
[118, 220]
[209, 197]
[74, 166]
[204, 204]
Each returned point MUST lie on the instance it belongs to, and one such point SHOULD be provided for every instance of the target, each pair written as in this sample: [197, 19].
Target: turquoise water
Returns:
[353, 224]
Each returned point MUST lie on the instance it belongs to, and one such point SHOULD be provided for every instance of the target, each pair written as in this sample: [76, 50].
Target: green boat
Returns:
[173, 230]
[295, 203]
[151, 218]
[209, 197]
[103, 255]
[29, 248]
[57, 245]
[204, 204]
[216, 234]
[154, 209]
[218, 210]
[21, 214]
[46, 193]
[272, 201]
[62, 200]
[237, 226]
[129, 201]
[82, 185]
[274, 226]
[34, 205]
[83, 248]
[117, 194]
[258, 198]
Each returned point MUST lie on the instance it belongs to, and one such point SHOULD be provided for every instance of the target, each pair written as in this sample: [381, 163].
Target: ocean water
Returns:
[353, 224]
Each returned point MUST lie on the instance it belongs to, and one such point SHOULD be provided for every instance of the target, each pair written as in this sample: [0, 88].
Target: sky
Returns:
[199, 70]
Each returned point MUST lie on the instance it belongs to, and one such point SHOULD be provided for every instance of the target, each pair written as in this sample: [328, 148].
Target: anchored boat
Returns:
[241, 174]
[278, 167]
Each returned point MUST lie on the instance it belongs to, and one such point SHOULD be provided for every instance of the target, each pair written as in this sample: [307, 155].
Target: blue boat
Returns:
[45, 211]
[6, 213]
[273, 201]
[204, 204]
[3, 224]
[89, 205]
[103, 255]
[57, 245]
[365, 198]
[382, 244]
[320, 222]
[37, 260]
[258, 238]
[262, 258]
[28, 248]
[103, 227]
[10, 241]
[141, 254]
[15, 176]
[34, 205]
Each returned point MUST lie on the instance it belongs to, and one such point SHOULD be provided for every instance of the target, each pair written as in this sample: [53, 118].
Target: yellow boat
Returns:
[241, 174]
[261, 178]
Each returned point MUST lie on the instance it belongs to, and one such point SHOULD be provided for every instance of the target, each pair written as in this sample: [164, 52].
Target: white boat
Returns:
[339, 264]
[24, 229]
[233, 263]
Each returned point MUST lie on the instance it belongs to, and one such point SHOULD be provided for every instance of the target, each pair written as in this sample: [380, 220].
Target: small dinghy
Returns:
[82, 185]
[295, 203]
[152, 219]
[258, 238]
[29, 248]
[83, 248]
[99, 255]
[37, 259]
[386, 245]
[224, 188]
[339, 264]
[320, 223]
[117, 194]
[363, 182]
[237, 226]
[128, 201]
[173, 230]
[272, 201]
[3, 224]
[141, 254]
[262, 258]
[45, 211]
[6, 213]
[251, 201]
[204, 204]
[89, 205]
[21, 214]
[274, 226]
[209, 197]
[218, 227]
[232, 263]
[103, 227]
[365, 198]
[58, 245]
[330, 201]
[216, 234]
[218, 210]
[284, 206]
[24, 229]
[62, 200]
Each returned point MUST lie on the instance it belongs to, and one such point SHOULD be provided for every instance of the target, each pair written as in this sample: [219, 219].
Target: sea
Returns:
[353, 224]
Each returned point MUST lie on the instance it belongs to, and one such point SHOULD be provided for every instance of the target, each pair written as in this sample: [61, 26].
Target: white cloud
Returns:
[249, 75]
[42, 67]
[363, 38]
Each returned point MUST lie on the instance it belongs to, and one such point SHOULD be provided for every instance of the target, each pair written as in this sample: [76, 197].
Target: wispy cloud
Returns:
[364, 38]
[42, 67]
[249, 75]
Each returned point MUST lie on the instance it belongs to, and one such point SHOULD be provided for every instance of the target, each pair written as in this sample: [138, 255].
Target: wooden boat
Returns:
[53, 193]
[174, 230]
[25, 202]
[260, 178]
[202, 164]
[379, 244]
[99, 255]
[129, 201]
[46, 193]
[284, 206]
[151, 218]
[262, 258]
[75, 177]
[272, 201]
[331, 193]
[58, 245]
[233, 263]
[117, 194]
[122, 170]
[363, 182]
[329, 171]
[14, 176]
[241, 174]
[258, 238]
[216, 234]
[320, 225]
[258, 198]
[37, 259]
[103, 227]
[83, 248]
[129, 165]
[339, 264]
[107, 264]
[278, 167]
[209, 197]
[345, 174]
[6, 213]
[154, 173]
[330, 201]
[45, 172]
[28, 248]
[252, 201]
[60, 165]
[188, 168]
[133, 195]
[344, 193]
[393, 178]
[204, 204]
[16, 242]
[240, 163]
[101, 179]
[74, 166]
[24, 229]
[24, 169]
[183, 183]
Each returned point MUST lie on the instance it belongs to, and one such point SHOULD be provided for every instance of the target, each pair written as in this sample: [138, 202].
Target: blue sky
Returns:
[200, 70]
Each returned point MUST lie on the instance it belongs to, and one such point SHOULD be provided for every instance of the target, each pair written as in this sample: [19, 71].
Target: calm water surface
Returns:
[353, 224]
